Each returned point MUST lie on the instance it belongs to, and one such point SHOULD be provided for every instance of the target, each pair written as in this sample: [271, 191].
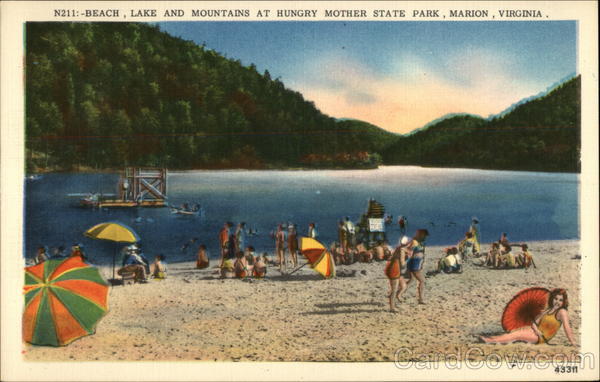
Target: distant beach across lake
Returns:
[527, 205]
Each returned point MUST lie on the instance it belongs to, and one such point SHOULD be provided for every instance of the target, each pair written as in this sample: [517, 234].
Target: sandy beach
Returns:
[193, 315]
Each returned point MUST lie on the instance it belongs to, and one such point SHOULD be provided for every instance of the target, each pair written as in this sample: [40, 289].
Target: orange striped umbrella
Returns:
[64, 300]
[318, 256]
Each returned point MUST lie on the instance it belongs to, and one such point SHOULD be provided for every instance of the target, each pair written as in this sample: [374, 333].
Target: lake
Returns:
[527, 205]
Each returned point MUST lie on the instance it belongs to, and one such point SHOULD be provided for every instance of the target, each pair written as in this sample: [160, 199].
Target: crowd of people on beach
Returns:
[59, 253]
[404, 262]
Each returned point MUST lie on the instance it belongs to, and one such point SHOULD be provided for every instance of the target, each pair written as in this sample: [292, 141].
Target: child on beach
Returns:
[158, 269]
[202, 260]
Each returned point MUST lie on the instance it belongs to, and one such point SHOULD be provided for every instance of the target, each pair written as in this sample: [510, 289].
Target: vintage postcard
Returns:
[299, 190]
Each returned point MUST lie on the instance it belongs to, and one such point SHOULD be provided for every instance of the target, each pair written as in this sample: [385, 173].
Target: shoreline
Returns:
[194, 316]
[184, 171]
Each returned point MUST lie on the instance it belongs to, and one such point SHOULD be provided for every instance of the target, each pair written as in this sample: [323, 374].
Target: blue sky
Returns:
[399, 75]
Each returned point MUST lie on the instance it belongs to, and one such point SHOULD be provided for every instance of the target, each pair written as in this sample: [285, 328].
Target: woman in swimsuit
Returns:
[416, 258]
[395, 270]
[293, 244]
[280, 247]
[544, 327]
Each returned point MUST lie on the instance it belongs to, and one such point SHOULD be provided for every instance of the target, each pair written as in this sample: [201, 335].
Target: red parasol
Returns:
[524, 307]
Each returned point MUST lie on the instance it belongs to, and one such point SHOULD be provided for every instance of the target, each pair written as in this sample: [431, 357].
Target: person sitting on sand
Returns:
[378, 252]
[395, 270]
[341, 255]
[202, 260]
[416, 259]
[507, 258]
[351, 255]
[135, 264]
[525, 258]
[77, 251]
[260, 266]
[227, 271]
[240, 266]
[544, 327]
[41, 255]
[158, 269]
[364, 255]
[58, 253]
[450, 261]
[490, 258]
[466, 246]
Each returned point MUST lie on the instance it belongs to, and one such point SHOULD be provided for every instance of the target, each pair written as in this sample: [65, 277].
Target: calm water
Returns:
[527, 205]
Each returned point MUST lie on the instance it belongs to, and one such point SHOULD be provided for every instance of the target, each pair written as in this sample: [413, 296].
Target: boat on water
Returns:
[186, 210]
[34, 177]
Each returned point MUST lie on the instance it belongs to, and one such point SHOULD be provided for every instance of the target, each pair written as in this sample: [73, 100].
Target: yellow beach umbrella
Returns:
[318, 256]
[113, 231]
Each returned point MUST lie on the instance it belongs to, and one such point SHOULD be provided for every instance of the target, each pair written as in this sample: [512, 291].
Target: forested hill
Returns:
[106, 95]
[543, 134]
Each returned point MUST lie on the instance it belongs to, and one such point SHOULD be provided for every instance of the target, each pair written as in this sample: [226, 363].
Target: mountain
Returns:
[548, 90]
[542, 134]
[106, 95]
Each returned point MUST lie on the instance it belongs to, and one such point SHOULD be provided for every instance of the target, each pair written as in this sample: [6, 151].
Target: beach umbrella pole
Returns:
[297, 269]
[114, 256]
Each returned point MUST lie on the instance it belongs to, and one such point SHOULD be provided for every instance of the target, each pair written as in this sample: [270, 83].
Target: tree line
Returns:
[108, 95]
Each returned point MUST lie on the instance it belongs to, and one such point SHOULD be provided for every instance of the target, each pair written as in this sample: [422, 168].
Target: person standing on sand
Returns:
[240, 236]
[293, 244]
[202, 258]
[224, 239]
[342, 236]
[350, 233]
[474, 229]
[312, 231]
[395, 270]
[416, 258]
[279, 246]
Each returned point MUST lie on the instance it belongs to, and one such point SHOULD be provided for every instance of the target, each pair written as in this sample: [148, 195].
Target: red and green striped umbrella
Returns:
[64, 300]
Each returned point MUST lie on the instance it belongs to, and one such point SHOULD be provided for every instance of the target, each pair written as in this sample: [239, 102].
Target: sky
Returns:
[399, 75]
